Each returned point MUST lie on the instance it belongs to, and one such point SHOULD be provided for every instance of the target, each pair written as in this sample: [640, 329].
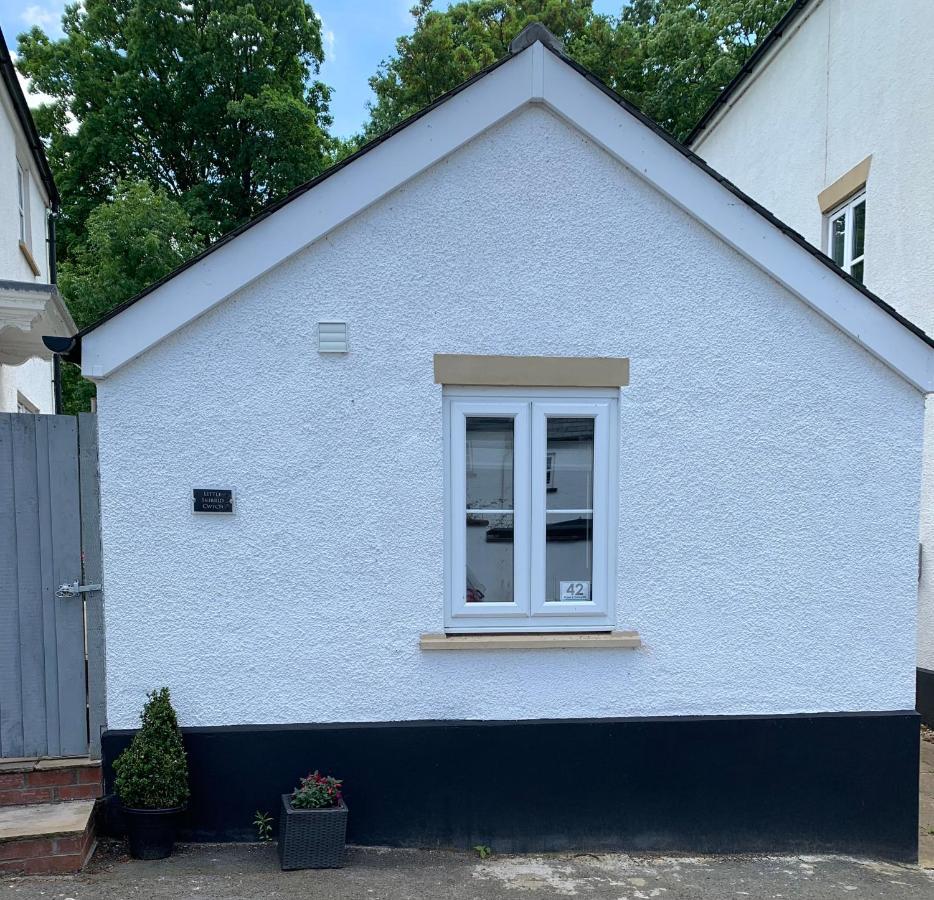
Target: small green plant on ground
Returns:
[263, 823]
[152, 773]
[483, 851]
[317, 791]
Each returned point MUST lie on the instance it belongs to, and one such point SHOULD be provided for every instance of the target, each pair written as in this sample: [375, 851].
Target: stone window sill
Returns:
[27, 253]
[597, 640]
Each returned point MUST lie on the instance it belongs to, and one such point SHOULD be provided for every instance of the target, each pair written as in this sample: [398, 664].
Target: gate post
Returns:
[89, 480]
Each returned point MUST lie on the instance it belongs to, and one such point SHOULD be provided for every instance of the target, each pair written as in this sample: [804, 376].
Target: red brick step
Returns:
[26, 781]
[47, 838]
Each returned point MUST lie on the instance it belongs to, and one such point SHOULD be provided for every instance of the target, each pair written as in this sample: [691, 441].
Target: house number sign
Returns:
[574, 590]
[212, 500]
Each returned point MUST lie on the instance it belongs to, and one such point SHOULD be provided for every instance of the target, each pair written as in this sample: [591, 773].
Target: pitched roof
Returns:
[528, 74]
[764, 46]
[21, 108]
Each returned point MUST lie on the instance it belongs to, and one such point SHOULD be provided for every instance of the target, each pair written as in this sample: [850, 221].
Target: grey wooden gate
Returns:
[43, 682]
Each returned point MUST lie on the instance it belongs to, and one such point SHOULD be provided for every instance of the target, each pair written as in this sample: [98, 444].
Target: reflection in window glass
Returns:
[569, 504]
[490, 517]
[489, 462]
[569, 463]
[838, 240]
[859, 229]
[568, 557]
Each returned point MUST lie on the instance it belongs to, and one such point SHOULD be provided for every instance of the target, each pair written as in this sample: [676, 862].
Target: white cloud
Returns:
[327, 38]
[40, 15]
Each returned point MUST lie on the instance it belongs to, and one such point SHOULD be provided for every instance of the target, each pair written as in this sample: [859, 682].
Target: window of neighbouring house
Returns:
[23, 405]
[846, 236]
[530, 509]
[22, 191]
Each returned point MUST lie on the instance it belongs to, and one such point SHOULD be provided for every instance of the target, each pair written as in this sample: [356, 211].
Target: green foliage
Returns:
[213, 101]
[316, 792]
[152, 773]
[134, 239]
[669, 57]
[263, 823]
[483, 851]
[129, 242]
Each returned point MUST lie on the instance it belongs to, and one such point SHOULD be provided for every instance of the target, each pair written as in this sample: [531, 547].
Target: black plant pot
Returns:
[151, 832]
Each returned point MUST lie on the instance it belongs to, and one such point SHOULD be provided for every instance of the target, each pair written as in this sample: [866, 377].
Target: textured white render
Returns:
[768, 467]
[854, 78]
[32, 379]
[13, 147]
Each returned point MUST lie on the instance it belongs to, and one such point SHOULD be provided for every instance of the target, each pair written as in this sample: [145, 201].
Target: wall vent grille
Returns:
[332, 337]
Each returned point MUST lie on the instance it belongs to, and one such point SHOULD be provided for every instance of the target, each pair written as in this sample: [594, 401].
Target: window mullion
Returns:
[537, 499]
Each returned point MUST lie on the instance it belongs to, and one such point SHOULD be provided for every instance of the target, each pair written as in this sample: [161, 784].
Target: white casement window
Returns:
[846, 236]
[22, 192]
[531, 509]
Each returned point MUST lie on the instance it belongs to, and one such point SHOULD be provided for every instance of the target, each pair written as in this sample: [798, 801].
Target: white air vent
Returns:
[332, 337]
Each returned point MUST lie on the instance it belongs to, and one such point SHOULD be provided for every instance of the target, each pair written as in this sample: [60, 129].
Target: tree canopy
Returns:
[669, 57]
[214, 101]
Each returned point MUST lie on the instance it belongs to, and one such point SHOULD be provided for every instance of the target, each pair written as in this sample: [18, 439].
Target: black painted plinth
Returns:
[845, 783]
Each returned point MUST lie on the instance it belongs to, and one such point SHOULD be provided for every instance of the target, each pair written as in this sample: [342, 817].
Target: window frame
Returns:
[847, 208]
[530, 408]
[22, 197]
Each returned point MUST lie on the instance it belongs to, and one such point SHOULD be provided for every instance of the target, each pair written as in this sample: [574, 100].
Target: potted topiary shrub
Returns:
[152, 780]
[313, 825]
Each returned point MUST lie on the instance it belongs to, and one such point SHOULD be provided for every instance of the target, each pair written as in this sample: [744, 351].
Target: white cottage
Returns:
[560, 496]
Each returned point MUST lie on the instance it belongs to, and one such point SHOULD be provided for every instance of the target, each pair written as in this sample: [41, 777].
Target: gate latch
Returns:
[74, 589]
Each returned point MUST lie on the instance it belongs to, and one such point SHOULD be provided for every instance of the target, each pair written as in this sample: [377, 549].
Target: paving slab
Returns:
[44, 819]
[251, 872]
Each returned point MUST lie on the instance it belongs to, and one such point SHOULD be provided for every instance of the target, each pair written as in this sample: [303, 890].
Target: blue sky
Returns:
[358, 35]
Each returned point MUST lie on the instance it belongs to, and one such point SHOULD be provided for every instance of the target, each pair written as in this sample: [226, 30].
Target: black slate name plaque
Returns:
[212, 500]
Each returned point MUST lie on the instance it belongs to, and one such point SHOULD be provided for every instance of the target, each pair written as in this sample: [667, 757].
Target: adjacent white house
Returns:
[526, 451]
[831, 127]
[30, 305]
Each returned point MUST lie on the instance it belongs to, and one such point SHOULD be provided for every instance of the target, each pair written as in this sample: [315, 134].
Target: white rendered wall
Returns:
[32, 379]
[768, 467]
[13, 146]
[854, 79]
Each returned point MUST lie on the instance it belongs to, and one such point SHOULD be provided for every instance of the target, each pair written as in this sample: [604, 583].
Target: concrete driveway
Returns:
[250, 872]
[926, 817]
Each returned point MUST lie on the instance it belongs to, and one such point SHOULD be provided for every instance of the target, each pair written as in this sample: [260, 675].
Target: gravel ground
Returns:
[251, 872]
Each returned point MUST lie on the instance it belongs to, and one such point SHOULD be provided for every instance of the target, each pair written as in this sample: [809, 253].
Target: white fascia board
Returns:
[308, 217]
[660, 164]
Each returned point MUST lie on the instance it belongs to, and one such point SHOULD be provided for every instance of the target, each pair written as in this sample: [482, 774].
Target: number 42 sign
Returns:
[574, 590]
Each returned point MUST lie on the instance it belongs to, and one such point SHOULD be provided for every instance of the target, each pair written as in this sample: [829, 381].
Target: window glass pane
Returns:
[489, 462]
[569, 463]
[489, 558]
[568, 557]
[856, 270]
[859, 230]
[838, 239]
[490, 449]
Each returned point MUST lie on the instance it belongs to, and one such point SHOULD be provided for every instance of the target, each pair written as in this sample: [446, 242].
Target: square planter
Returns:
[312, 838]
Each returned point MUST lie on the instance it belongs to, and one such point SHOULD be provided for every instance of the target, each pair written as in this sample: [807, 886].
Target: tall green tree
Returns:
[669, 57]
[215, 102]
[129, 242]
[689, 50]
